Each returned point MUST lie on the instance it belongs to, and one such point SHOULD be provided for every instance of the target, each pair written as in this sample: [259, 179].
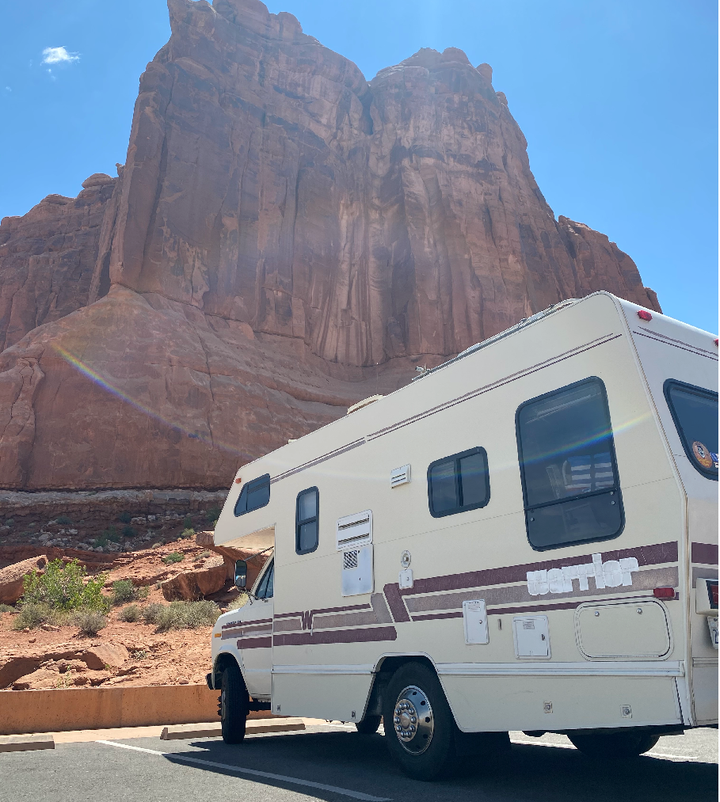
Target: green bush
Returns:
[187, 615]
[152, 612]
[124, 517]
[63, 520]
[173, 557]
[32, 615]
[109, 535]
[63, 587]
[89, 621]
[6, 608]
[123, 592]
[186, 533]
[129, 531]
[188, 522]
[212, 515]
[131, 614]
[10, 522]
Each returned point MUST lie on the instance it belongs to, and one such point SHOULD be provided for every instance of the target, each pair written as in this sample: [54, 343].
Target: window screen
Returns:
[567, 463]
[458, 483]
[255, 494]
[695, 412]
[306, 521]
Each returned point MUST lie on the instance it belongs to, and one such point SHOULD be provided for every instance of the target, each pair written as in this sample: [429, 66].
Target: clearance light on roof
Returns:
[238, 480]
[664, 593]
[644, 315]
[716, 341]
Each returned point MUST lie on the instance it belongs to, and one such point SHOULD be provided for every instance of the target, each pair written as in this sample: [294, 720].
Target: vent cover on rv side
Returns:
[400, 476]
[354, 530]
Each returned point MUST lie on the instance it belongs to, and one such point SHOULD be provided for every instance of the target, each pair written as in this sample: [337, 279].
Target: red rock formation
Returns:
[284, 239]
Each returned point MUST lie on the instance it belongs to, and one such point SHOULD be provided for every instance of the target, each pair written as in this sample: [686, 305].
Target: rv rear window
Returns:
[458, 483]
[567, 462]
[306, 520]
[255, 494]
[695, 412]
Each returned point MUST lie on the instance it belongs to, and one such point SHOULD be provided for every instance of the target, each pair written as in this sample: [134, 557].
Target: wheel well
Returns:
[223, 661]
[385, 669]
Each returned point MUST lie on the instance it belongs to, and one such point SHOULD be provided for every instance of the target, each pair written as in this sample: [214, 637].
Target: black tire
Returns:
[426, 752]
[369, 725]
[234, 704]
[613, 745]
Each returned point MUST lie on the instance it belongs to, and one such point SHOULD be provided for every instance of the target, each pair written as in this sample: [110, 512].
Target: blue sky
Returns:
[617, 99]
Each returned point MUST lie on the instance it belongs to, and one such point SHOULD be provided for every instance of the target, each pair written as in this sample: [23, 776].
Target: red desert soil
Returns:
[131, 654]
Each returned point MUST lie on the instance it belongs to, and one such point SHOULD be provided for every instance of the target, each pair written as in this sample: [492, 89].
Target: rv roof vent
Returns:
[354, 530]
[364, 403]
[400, 476]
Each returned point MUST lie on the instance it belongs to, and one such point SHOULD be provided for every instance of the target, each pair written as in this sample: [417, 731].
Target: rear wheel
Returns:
[613, 745]
[419, 726]
[368, 725]
[234, 703]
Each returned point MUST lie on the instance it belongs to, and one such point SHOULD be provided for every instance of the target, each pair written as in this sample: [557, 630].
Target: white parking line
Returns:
[252, 772]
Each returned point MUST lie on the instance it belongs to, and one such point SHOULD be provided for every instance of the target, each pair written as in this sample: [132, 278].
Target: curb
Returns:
[25, 743]
[256, 727]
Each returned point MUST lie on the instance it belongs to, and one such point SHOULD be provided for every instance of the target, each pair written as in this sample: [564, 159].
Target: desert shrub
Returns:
[124, 517]
[89, 621]
[187, 615]
[139, 654]
[241, 601]
[6, 608]
[64, 520]
[109, 535]
[187, 522]
[129, 531]
[152, 612]
[156, 545]
[32, 615]
[63, 587]
[123, 591]
[212, 515]
[186, 533]
[10, 522]
[131, 614]
[173, 557]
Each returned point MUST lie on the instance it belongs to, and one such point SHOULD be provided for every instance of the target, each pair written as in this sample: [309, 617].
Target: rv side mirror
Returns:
[240, 574]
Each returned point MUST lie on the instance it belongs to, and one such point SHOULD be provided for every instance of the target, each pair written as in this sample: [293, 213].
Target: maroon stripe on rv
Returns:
[691, 349]
[233, 624]
[335, 636]
[704, 553]
[456, 614]
[255, 643]
[646, 555]
[395, 603]
[324, 610]
[657, 335]
[535, 610]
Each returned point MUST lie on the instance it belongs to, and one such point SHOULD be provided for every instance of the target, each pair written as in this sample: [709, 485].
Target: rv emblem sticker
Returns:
[703, 455]
[610, 574]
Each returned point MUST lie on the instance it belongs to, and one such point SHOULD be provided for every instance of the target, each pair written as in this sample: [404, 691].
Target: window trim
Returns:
[299, 523]
[456, 458]
[693, 388]
[617, 486]
[263, 577]
[246, 488]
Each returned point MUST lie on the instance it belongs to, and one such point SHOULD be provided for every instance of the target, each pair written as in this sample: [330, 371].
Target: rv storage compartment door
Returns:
[622, 630]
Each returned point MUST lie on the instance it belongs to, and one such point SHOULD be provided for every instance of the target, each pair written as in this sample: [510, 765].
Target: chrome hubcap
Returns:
[413, 720]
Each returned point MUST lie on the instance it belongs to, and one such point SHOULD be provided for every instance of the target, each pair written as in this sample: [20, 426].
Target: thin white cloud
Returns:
[59, 55]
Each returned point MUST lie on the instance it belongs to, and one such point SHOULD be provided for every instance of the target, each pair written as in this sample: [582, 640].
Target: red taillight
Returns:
[664, 593]
[716, 341]
[644, 315]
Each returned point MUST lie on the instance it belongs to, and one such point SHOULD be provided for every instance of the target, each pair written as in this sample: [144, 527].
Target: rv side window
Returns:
[695, 413]
[265, 588]
[254, 495]
[458, 483]
[306, 521]
[567, 462]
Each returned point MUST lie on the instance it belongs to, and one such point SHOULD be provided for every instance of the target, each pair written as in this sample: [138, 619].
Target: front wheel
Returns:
[234, 703]
[419, 726]
[613, 745]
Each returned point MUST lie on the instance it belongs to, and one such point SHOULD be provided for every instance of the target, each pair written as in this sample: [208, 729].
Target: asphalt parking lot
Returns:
[334, 763]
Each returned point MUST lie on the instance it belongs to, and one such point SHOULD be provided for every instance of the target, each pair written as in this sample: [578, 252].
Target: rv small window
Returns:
[306, 521]
[458, 483]
[569, 474]
[255, 494]
[695, 413]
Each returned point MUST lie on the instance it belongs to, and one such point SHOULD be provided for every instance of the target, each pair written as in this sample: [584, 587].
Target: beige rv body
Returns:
[566, 638]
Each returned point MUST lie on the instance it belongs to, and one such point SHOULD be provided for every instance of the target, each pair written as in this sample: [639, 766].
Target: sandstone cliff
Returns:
[284, 239]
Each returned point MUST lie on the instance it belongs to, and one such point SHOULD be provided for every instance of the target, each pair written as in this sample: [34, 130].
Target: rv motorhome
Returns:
[523, 538]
